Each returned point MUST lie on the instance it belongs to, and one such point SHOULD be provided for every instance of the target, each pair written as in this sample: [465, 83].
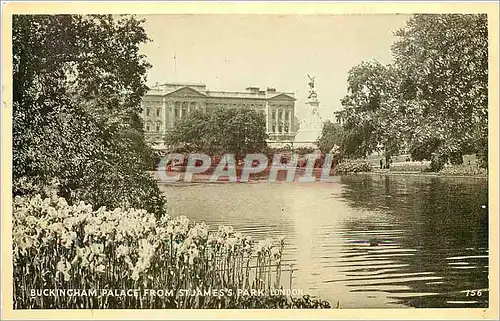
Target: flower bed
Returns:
[410, 167]
[60, 246]
[353, 166]
[464, 170]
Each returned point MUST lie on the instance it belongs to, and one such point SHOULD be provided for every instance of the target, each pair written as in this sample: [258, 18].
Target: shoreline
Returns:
[417, 173]
[205, 178]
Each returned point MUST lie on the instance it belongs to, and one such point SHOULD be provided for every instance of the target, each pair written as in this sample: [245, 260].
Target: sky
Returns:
[232, 52]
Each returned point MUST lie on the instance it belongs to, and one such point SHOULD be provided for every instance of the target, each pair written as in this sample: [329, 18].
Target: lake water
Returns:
[368, 241]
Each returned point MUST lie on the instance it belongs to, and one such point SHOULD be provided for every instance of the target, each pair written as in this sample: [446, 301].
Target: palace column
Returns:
[283, 120]
[164, 122]
[289, 120]
[172, 114]
[268, 117]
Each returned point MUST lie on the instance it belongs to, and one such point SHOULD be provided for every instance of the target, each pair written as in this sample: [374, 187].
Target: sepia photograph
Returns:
[250, 161]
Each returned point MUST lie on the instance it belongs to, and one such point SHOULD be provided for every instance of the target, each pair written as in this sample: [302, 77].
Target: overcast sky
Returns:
[232, 52]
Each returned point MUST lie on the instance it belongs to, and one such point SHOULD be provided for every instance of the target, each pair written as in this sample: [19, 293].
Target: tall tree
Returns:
[78, 82]
[371, 112]
[443, 61]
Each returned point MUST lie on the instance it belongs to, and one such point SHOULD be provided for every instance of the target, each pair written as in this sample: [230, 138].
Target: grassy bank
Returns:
[470, 168]
[423, 173]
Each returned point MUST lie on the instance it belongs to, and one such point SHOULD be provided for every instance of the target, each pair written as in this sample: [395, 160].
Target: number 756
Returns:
[474, 293]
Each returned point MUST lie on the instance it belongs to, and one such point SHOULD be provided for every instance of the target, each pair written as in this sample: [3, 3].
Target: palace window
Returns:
[287, 128]
[280, 128]
[158, 126]
[147, 112]
[148, 128]
[158, 112]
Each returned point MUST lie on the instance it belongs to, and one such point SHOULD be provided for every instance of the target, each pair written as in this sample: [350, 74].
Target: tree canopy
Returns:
[77, 86]
[331, 134]
[443, 60]
[371, 109]
[432, 100]
[230, 130]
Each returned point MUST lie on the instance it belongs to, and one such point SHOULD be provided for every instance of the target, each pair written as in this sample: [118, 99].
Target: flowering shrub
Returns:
[465, 170]
[353, 166]
[410, 167]
[61, 246]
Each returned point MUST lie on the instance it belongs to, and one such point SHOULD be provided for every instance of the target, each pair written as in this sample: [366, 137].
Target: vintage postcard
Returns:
[196, 160]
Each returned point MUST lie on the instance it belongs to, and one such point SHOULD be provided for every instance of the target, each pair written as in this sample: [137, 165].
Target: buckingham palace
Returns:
[165, 103]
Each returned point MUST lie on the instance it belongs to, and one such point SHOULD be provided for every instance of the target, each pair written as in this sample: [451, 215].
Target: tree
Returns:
[372, 112]
[443, 63]
[192, 130]
[433, 100]
[231, 130]
[332, 134]
[77, 86]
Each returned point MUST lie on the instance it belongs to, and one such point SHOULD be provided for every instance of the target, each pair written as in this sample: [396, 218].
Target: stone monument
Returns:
[311, 124]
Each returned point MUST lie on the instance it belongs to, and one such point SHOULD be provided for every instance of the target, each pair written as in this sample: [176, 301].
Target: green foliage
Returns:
[353, 166]
[332, 135]
[268, 302]
[443, 62]
[423, 148]
[437, 162]
[370, 111]
[409, 167]
[77, 86]
[464, 170]
[62, 246]
[231, 130]
[304, 150]
[432, 100]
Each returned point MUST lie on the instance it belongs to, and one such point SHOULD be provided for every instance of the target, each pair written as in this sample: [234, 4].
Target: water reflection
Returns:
[436, 232]
[368, 241]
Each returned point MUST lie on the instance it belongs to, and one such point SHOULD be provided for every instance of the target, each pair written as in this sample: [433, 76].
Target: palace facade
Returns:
[164, 104]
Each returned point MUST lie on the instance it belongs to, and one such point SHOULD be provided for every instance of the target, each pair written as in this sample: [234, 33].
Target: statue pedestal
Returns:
[310, 128]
